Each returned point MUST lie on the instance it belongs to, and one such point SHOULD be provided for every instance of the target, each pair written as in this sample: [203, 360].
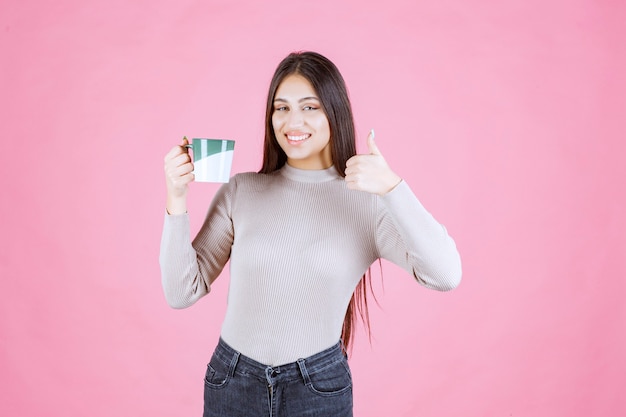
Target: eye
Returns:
[280, 108]
[310, 108]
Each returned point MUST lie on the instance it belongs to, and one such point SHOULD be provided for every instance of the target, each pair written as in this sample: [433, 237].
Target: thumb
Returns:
[371, 145]
[184, 144]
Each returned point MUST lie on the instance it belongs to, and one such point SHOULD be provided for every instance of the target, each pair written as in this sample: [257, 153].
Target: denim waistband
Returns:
[244, 365]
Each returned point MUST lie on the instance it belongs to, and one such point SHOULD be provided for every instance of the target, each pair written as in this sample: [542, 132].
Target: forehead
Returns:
[294, 86]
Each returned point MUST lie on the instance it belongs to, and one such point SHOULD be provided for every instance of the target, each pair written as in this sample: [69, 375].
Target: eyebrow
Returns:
[299, 101]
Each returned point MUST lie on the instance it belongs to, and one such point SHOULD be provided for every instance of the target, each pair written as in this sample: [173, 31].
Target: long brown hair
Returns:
[333, 94]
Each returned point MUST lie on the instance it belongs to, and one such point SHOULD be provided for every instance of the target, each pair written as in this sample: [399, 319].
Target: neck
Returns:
[309, 175]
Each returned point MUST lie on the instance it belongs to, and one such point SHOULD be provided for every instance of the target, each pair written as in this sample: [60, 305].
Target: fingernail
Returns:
[372, 133]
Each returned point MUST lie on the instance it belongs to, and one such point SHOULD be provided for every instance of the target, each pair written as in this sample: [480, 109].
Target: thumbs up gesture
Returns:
[370, 172]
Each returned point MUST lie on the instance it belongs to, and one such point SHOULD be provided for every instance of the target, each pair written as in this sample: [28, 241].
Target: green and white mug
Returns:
[212, 159]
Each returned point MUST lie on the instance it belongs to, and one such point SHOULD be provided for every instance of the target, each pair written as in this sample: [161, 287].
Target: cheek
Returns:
[277, 124]
[322, 122]
[323, 125]
[278, 118]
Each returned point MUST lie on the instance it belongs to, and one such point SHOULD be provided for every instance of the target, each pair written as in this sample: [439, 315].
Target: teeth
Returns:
[297, 138]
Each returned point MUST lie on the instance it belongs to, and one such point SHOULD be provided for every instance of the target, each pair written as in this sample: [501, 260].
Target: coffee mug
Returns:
[212, 159]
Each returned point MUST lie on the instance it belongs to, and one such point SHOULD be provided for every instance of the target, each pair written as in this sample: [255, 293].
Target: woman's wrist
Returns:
[393, 182]
[176, 205]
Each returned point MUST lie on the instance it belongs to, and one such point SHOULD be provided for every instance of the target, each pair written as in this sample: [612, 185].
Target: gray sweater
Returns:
[298, 242]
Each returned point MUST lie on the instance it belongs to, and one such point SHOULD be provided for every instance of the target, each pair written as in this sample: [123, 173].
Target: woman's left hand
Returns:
[370, 172]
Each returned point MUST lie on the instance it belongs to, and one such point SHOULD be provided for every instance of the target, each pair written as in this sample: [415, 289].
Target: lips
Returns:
[295, 138]
[298, 138]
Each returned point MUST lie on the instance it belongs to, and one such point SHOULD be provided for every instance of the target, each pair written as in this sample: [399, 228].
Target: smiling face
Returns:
[300, 124]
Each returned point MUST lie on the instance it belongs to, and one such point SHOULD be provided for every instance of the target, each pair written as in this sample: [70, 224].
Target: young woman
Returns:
[300, 235]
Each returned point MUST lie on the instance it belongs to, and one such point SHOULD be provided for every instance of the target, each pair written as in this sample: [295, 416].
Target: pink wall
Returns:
[507, 118]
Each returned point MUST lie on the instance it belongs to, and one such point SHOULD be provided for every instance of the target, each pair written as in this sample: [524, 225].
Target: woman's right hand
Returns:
[178, 175]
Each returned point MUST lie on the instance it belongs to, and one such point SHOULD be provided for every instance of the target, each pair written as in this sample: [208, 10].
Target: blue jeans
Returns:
[235, 385]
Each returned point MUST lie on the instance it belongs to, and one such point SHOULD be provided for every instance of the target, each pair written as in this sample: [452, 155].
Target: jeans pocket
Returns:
[332, 380]
[217, 374]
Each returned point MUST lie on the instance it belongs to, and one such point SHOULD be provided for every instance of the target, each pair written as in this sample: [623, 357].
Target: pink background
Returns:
[507, 119]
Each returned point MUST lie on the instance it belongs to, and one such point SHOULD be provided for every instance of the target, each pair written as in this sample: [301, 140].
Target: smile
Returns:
[298, 138]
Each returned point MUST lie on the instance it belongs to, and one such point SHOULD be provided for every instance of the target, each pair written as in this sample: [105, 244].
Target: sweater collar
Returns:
[309, 175]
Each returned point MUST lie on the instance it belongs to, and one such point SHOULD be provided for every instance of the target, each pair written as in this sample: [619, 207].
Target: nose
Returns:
[296, 119]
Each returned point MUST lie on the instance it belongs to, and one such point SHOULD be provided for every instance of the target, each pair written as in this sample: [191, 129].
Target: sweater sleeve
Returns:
[189, 267]
[409, 236]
